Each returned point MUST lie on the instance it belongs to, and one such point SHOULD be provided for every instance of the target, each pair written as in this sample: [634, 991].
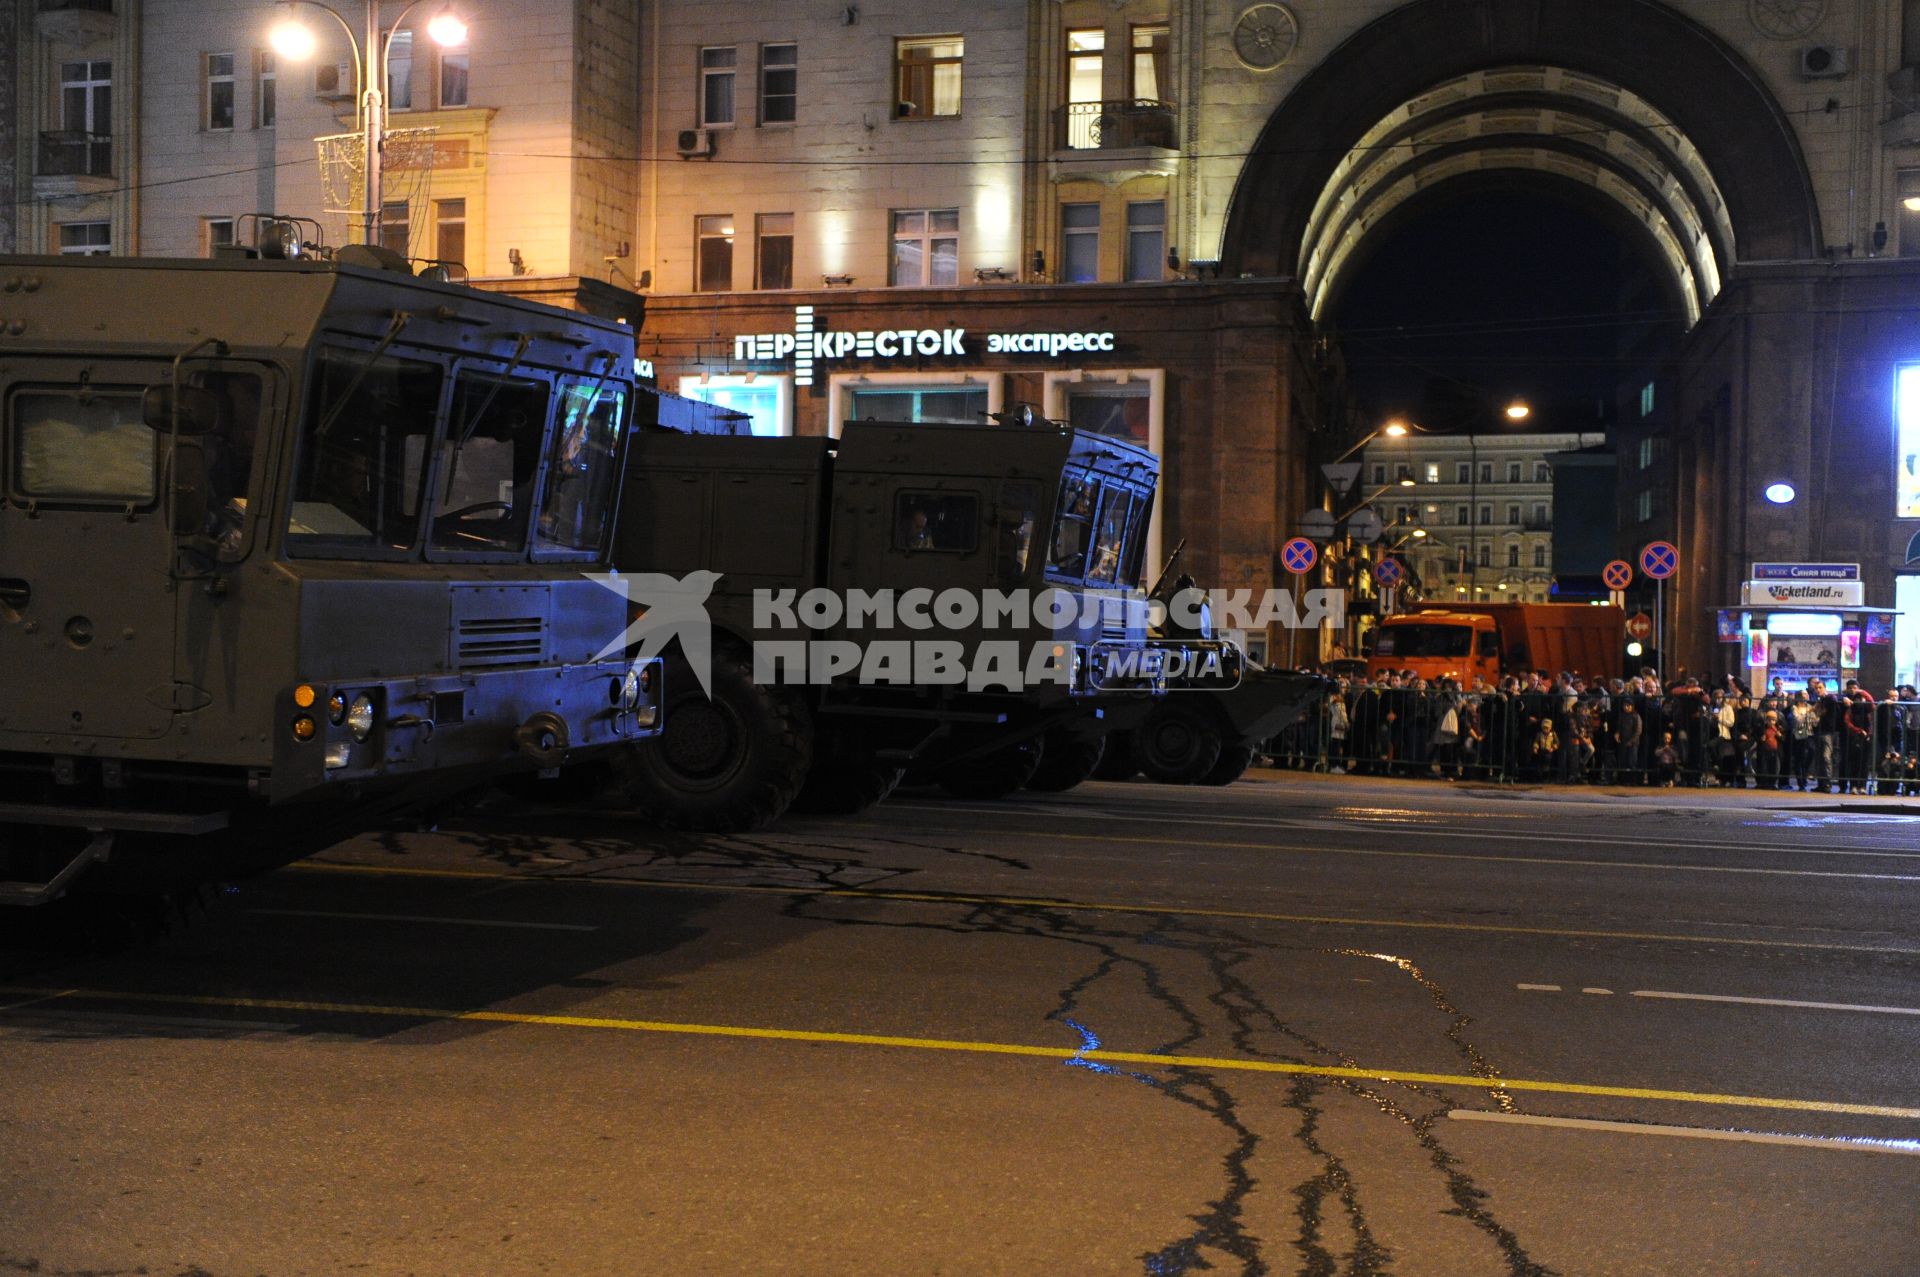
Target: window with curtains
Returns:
[713, 267]
[926, 247]
[717, 67]
[219, 92]
[1147, 74]
[1079, 243]
[927, 76]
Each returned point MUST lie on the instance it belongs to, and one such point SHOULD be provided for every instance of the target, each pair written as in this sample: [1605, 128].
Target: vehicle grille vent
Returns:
[500, 640]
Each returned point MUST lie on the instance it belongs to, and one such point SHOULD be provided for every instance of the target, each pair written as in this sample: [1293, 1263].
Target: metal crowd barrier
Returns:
[1498, 736]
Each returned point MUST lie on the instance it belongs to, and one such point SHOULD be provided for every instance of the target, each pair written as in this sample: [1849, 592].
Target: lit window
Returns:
[1646, 400]
[1906, 211]
[965, 404]
[1433, 472]
[1907, 450]
[713, 264]
[716, 87]
[1643, 506]
[1148, 72]
[1146, 240]
[86, 239]
[454, 64]
[774, 258]
[219, 92]
[927, 76]
[779, 83]
[450, 230]
[266, 98]
[926, 247]
[1079, 243]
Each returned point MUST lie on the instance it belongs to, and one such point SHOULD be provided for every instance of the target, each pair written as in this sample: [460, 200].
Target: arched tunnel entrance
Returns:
[1614, 156]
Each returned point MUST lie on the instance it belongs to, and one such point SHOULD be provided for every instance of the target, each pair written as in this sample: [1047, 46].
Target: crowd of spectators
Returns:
[1632, 731]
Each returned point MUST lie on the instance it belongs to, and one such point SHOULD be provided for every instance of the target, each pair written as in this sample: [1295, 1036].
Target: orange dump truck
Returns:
[1488, 640]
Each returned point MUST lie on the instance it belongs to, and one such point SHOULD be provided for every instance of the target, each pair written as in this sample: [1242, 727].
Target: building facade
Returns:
[1184, 181]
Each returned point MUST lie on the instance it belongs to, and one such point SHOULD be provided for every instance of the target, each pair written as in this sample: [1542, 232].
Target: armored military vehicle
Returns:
[845, 647]
[286, 545]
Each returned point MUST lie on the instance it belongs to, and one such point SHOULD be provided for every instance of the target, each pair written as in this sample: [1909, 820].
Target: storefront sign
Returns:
[1806, 571]
[1814, 593]
[1794, 659]
[811, 344]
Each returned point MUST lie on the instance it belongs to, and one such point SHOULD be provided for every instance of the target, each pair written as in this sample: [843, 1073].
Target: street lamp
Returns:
[294, 41]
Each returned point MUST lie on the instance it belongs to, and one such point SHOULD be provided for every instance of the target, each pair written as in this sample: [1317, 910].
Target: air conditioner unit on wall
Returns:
[696, 143]
[1825, 62]
[333, 82]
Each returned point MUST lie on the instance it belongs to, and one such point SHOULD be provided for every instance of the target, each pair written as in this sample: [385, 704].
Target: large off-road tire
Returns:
[993, 775]
[1067, 760]
[725, 765]
[1118, 762]
[1179, 743]
[1233, 764]
[845, 778]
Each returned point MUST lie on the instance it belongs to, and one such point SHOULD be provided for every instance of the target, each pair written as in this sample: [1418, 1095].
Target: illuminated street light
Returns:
[1394, 429]
[1780, 493]
[1518, 410]
[295, 42]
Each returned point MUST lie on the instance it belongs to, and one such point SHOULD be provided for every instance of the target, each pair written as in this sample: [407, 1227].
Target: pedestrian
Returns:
[1767, 751]
[1800, 716]
[1666, 762]
[1627, 741]
[1337, 726]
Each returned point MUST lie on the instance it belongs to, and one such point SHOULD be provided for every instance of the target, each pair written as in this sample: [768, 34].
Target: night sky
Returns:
[1486, 292]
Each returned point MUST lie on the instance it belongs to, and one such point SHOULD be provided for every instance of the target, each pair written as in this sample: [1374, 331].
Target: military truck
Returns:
[287, 545]
[934, 514]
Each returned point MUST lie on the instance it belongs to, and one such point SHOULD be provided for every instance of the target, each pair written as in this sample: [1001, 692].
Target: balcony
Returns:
[1115, 140]
[65, 153]
[73, 22]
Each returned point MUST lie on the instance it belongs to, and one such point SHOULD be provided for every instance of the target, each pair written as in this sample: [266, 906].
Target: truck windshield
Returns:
[1424, 640]
[1073, 526]
[1111, 539]
[492, 456]
[362, 457]
[580, 473]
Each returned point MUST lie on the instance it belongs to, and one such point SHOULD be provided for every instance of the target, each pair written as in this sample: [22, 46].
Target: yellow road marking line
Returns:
[976, 1048]
[1082, 906]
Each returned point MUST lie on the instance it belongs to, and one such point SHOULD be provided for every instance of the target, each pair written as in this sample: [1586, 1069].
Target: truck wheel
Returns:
[1119, 761]
[845, 778]
[726, 765]
[1178, 745]
[1233, 764]
[1066, 760]
[993, 775]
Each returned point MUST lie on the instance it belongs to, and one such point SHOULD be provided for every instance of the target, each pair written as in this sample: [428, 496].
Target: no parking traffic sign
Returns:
[1388, 572]
[1659, 560]
[1618, 574]
[1299, 555]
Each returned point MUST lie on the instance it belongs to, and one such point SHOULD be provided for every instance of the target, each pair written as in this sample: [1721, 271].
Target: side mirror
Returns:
[201, 411]
[191, 498]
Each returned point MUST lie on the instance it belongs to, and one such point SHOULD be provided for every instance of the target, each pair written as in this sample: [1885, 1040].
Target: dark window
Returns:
[581, 474]
[936, 521]
[1462, 472]
[774, 261]
[1146, 240]
[86, 98]
[716, 87]
[1513, 556]
[400, 71]
[1539, 556]
[927, 76]
[453, 76]
[779, 83]
[86, 239]
[1079, 243]
[1019, 504]
[485, 486]
[450, 230]
[361, 466]
[266, 89]
[1073, 526]
[219, 91]
[1513, 472]
[713, 265]
[395, 231]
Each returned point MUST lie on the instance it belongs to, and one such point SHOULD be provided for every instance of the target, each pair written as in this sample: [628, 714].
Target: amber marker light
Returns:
[304, 696]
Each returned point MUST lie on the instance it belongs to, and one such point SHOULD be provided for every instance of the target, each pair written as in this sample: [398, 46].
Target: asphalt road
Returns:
[1301, 1025]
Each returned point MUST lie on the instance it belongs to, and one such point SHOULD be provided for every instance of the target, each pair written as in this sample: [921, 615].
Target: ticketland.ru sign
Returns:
[811, 344]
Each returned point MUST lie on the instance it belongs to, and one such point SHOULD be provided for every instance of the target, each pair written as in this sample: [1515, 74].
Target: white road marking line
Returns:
[1597, 989]
[414, 917]
[1775, 1002]
[1539, 988]
[1179, 817]
[1854, 1144]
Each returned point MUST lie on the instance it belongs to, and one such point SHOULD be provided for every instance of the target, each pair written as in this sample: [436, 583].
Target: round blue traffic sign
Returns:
[1388, 572]
[1659, 560]
[1299, 555]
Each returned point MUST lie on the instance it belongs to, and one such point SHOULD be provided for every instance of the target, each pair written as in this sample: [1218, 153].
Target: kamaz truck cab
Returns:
[289, 545]
[964, 599]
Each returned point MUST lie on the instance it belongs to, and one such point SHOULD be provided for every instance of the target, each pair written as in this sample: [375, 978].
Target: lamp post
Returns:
[292, 40]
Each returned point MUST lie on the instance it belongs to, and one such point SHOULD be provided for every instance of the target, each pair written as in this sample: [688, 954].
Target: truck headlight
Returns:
[360, 717]
[630, 690]
[339, 754]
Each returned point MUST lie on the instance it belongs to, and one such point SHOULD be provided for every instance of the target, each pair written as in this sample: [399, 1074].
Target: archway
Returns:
[1632, 98]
